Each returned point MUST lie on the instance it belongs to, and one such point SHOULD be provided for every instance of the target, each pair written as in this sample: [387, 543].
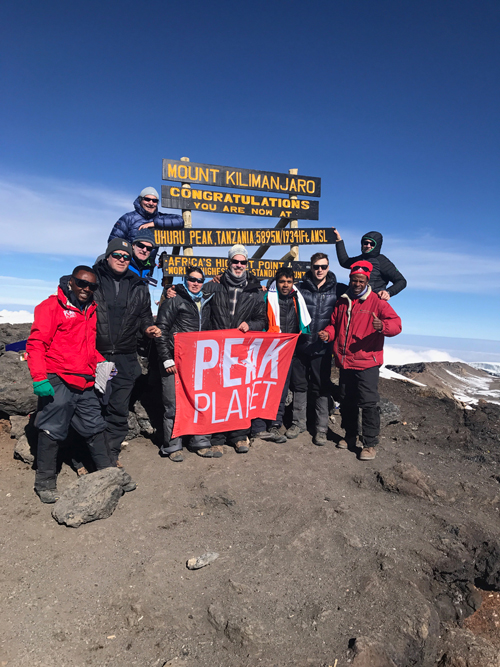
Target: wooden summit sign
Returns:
[175, 265]
[247, 237]
[237, 178]
[231, 202]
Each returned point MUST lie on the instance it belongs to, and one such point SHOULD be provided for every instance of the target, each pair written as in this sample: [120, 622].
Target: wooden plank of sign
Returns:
[250, 237]
[211, 201]
[213, 266]
[235, 177]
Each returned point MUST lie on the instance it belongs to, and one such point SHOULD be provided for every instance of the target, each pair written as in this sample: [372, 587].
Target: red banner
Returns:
[227, 378]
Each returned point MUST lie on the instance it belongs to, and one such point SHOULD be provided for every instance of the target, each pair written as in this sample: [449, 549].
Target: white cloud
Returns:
[398, 356]
[15, 316]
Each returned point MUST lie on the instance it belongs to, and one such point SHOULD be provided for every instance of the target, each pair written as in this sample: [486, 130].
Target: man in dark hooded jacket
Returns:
[123, 312]
[384, 270]
[313, 358]
[145, 216]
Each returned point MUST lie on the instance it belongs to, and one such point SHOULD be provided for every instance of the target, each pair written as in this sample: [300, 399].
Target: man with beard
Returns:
[123, 312]
[359, 323]
[62, 359]
[313, 357]
[384, 270]
[238, 303]
[145, 216]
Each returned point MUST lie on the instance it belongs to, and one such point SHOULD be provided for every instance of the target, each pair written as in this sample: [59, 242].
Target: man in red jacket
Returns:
[360, 321]
[62, 360]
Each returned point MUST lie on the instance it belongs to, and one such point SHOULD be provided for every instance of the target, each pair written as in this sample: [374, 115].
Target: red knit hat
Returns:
[363, 267]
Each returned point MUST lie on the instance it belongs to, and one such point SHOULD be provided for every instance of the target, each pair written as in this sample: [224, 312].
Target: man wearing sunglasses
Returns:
[143, 250]
[145, 216]
[123, 313]
[238, 303]
[384, 271]
[313, 359]
[62, 359]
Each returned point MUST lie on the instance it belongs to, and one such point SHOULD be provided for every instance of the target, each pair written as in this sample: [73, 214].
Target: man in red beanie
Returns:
[360, 321]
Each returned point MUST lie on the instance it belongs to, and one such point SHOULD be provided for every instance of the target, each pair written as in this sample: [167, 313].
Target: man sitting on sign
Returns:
[145, 216]
[286, 313]
[238, 303]
[189, 310]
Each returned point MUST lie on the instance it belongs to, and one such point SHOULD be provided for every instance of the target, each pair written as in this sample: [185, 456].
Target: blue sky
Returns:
[393, 104]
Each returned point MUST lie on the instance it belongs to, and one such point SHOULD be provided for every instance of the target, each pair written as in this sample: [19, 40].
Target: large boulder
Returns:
[91, 497]
[16, 386]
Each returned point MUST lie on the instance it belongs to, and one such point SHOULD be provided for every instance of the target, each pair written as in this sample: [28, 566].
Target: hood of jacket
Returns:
[374, 252]
[307, 282]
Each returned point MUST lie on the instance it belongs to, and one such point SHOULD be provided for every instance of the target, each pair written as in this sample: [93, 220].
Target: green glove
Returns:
[43, 388]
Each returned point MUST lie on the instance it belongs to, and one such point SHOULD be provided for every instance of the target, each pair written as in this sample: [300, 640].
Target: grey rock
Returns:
[145, 427]
[91, 497]
[202, 561]
[16, 387]
[389, 412]
[134, 429]
[461, 648]
[140, 411]
[22, 450]
[18, 425]
[369, 652]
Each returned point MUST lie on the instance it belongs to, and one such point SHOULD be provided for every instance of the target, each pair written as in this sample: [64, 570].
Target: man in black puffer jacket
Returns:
[123, 312]
[320, 290]
[238, 303]
[384, 271]
[189, 310]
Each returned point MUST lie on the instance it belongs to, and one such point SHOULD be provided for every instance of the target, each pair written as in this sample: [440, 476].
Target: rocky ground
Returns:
[323, 559]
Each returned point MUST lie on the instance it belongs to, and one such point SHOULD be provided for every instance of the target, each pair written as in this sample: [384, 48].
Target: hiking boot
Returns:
[217, 451]
[367, 454]
[241, 446]
[262, 435]
[275, 435]
[48, 496]
[176, 456]
[320, 439]
[206, 452]
[294, 431]
[348, 442]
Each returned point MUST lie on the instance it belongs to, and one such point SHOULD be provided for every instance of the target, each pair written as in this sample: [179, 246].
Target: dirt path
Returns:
[314, 552]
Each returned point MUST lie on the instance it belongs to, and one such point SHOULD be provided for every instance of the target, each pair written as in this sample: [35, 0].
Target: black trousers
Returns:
[359, 389]
[68, 406]
[312, 373]
[116, 409]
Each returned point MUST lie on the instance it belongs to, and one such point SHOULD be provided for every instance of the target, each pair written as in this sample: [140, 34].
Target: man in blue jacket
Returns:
[145, 216]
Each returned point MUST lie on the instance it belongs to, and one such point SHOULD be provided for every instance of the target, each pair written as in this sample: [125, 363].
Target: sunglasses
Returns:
[359, 268]
[244, 262]
[155, 201]
[118, 255]
[195, 280]
[320, 267]
[143, 246]
[85, 283]
[371, 243]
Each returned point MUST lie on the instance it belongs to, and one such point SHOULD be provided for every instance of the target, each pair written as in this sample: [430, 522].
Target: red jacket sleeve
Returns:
[40, 338]
[391, 322]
